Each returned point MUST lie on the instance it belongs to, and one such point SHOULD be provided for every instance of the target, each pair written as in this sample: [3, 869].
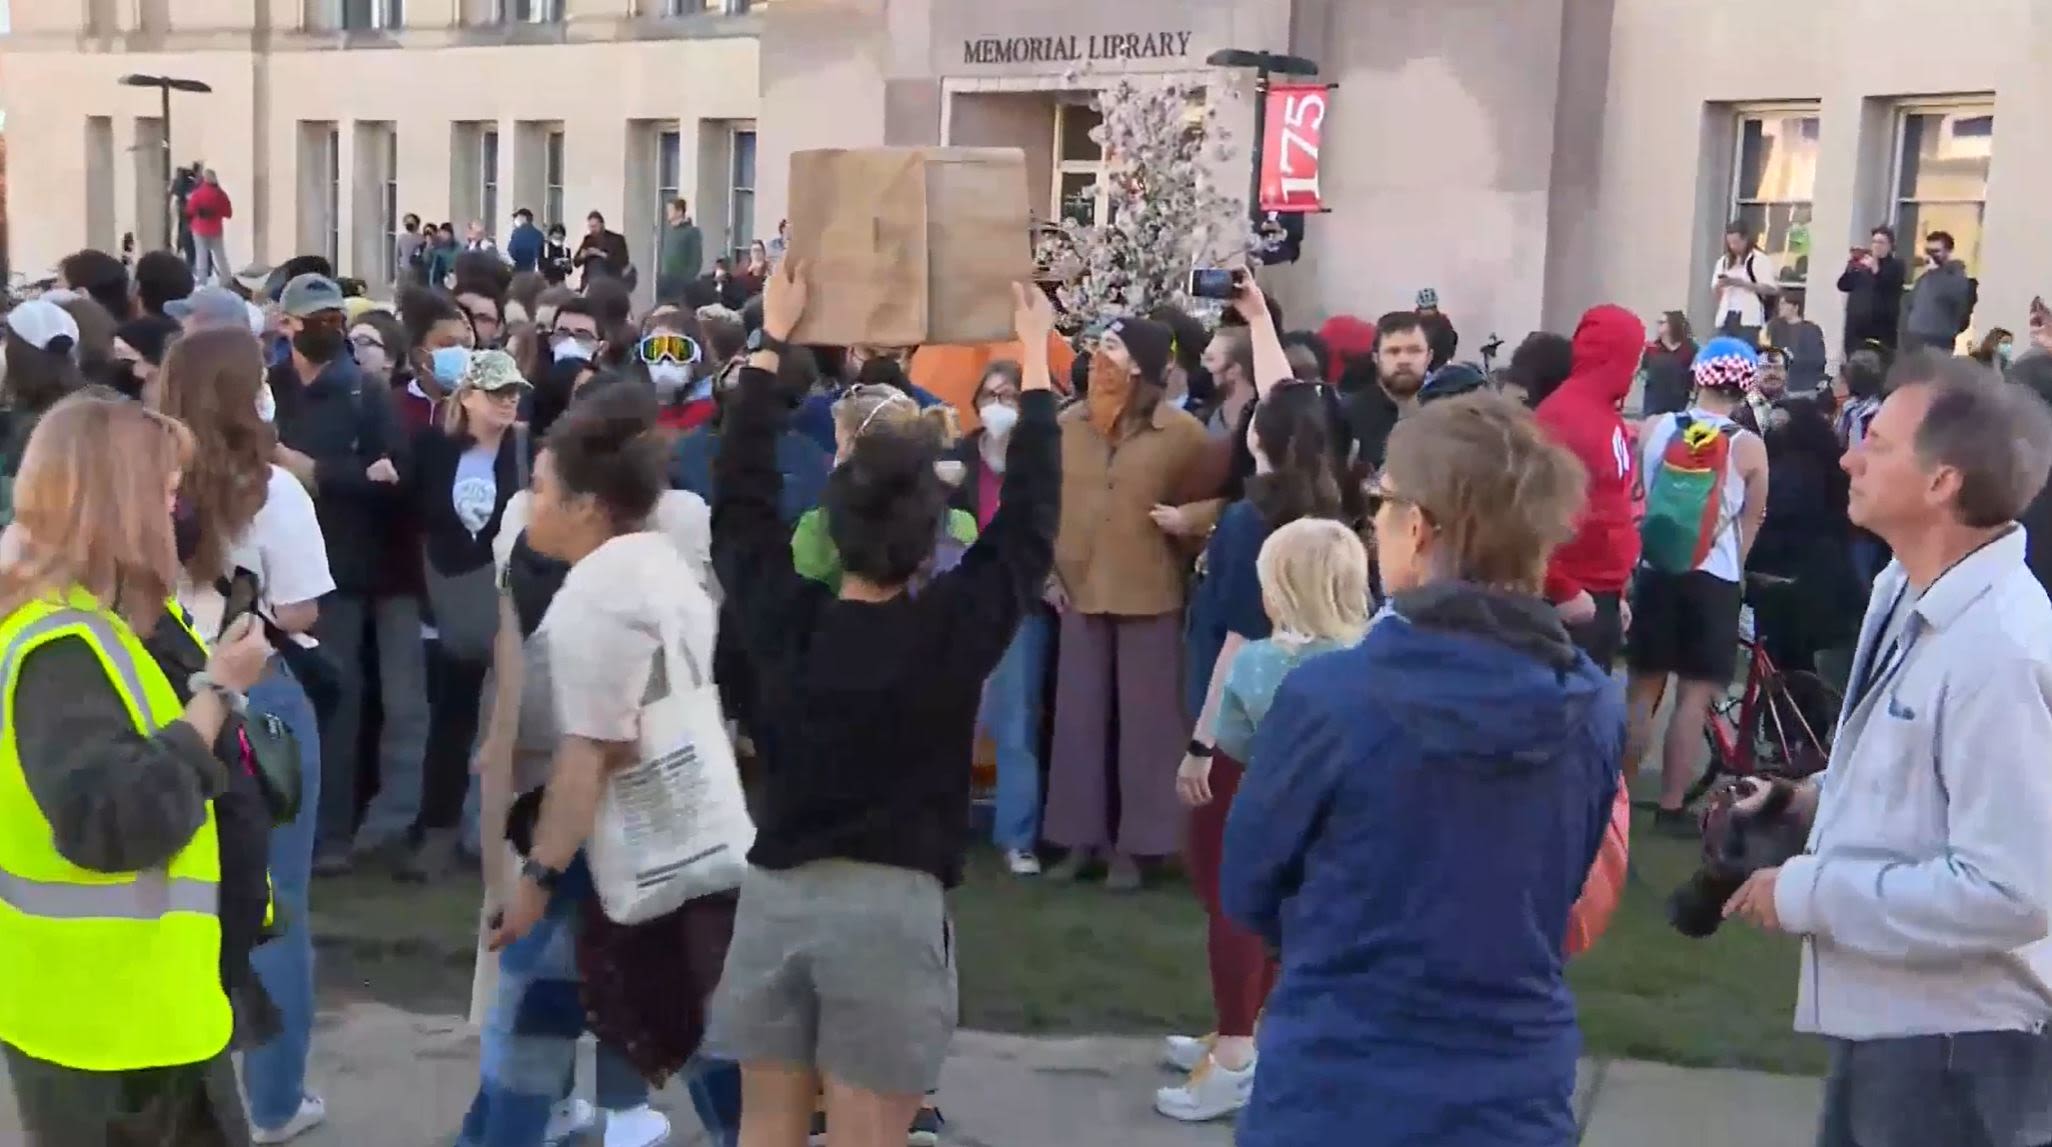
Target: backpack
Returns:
[1685, 498]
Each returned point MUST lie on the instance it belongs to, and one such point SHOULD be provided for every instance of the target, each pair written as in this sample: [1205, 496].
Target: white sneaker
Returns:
[1183, 1053]
[311, 1114]
[567, 1120]
[1211, 1092]
[642, 1126]
[1022, 862]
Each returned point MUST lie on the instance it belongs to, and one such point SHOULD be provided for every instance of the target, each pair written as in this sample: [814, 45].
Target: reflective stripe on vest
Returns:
[113, 653]
[150, 896]
[99, 971]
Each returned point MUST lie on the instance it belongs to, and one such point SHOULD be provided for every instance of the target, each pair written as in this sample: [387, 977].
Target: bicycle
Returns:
[1781, 721]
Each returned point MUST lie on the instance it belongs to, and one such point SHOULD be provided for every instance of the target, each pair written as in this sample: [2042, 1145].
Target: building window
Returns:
[1941, 176]
[552, 177]
[488, 179]
[669, 179]
[1774, 177]
[530, 11]
[373, 15]
[741, 206]
[332, 159]
[390, 205]
[1079, 196]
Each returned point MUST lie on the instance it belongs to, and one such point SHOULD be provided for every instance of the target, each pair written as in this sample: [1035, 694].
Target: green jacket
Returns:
[814, 556]
[683, 254]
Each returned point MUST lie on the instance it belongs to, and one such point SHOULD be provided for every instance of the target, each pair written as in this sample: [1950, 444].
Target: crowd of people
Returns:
[296, 584]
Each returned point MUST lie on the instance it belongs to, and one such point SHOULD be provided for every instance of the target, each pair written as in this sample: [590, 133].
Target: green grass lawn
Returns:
[1044, 958]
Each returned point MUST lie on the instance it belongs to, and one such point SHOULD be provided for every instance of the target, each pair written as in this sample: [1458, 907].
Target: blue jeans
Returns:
[1011, 713]
[274, 1075]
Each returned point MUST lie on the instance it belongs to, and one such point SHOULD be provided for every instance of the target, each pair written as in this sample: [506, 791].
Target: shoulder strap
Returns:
[520, 460]
[1749, 268]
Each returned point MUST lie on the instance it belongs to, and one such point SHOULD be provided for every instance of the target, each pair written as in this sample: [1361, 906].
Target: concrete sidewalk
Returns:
[395, 1079]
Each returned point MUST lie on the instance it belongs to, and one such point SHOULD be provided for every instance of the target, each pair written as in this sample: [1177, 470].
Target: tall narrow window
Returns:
[1941, 176]
[331, 158]
[669, 184]
[1774, 176]
[552, 177]
[530, 11]
[741, 205]
[488, 179]
[390, 205]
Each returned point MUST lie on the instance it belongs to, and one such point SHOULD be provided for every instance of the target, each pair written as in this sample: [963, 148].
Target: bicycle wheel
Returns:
[1720, 766]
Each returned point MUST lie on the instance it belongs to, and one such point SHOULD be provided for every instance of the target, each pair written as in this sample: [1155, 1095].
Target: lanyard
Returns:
[1879, 669]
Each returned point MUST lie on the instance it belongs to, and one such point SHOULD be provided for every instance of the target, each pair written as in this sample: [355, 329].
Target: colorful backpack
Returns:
[1685, 498]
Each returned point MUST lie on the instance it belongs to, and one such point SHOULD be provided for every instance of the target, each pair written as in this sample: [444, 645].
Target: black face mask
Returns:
[319, 343]
[123, 378]
[1202, 385]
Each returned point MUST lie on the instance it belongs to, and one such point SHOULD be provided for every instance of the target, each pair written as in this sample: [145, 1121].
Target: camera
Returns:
[1214, 283]
[1736, 844]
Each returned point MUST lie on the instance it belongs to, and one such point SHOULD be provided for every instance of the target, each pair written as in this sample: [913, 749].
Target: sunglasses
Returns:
[668, 346]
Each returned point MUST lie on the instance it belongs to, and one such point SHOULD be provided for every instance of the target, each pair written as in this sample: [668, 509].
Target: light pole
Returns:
[165, 85]
[1265, 64]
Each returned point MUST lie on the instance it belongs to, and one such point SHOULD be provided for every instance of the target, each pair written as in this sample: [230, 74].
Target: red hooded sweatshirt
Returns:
[1583, 416]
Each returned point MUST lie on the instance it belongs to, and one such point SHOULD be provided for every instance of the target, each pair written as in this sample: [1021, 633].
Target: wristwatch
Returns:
[544, 877]
[1197, 748]
[761, 339]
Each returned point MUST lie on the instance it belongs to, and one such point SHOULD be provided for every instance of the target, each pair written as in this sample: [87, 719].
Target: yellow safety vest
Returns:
[103, 971]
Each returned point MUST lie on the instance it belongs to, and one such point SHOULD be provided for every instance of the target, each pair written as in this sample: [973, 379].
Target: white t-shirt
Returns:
[1757, 267]
[680, 516]
[283, 547]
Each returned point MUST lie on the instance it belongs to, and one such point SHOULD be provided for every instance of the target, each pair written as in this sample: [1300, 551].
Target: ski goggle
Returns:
[668, 346]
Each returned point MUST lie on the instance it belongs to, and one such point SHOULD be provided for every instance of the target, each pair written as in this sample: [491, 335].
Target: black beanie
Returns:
[1150, 343]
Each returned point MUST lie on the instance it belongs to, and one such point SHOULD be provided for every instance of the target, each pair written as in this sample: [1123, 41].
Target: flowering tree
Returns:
[1167, 212]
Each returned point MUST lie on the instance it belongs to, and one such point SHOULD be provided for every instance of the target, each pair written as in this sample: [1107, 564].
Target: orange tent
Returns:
[950, 373]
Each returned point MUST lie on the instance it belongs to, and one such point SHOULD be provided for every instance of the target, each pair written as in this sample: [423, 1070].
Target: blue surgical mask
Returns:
[449, 363]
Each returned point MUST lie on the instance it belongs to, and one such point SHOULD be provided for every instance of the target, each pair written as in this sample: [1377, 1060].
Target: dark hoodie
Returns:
[2035, 371]
[1415, 823]
[1583, 416]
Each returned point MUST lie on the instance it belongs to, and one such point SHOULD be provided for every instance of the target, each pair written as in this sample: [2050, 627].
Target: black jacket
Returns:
[1371, 415]
[1669, 380]
[1873, 302]
[428, 476]
[611, 248]
[343, 428]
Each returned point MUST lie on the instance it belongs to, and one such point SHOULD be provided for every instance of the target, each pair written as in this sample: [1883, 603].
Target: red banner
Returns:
[1293, 131]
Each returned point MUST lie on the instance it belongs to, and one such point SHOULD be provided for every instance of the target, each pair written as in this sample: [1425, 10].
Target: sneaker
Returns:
[434, 861]
[568, 1120]
[1070, 868]
[926, 1127]
[1676, 822]
[1022, 862]
[642, 1126]
[311, 1114]
[1210, 1093]
[1124, 875]
[1183, 1053]
[331, 860]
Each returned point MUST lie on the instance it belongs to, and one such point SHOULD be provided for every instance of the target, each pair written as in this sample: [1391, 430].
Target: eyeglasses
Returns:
[1378, 495]
[668, 346]
[479, 318]
[367, 342]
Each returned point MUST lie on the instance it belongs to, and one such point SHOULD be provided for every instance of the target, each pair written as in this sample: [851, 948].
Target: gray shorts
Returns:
[844, 968]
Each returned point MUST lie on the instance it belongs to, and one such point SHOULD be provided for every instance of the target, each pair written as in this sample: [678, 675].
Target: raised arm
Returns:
[1271, 362]
[751, 544]
[1006, 570]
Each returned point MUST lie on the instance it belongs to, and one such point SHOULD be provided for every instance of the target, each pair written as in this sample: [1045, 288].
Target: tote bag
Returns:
[673, 826]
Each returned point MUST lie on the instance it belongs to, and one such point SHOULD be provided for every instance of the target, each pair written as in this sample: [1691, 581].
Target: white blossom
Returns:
[1167, 210]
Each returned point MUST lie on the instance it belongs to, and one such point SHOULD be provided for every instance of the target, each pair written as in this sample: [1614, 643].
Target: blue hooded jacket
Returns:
[1419, 815]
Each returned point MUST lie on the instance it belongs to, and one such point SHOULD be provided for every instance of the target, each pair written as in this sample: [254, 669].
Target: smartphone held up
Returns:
[1220, 283]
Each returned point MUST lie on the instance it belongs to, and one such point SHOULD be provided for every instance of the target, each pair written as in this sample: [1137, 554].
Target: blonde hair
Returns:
[1499, 492]
[1314, 580]
[90, 506]
[868, 407]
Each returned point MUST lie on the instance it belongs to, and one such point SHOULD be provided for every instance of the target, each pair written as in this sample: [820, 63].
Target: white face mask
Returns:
[669, 378]
[267, 405]
[998, 418]
[570, 349]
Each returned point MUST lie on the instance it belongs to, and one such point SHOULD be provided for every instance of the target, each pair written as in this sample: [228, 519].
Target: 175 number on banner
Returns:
[1293, 132]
